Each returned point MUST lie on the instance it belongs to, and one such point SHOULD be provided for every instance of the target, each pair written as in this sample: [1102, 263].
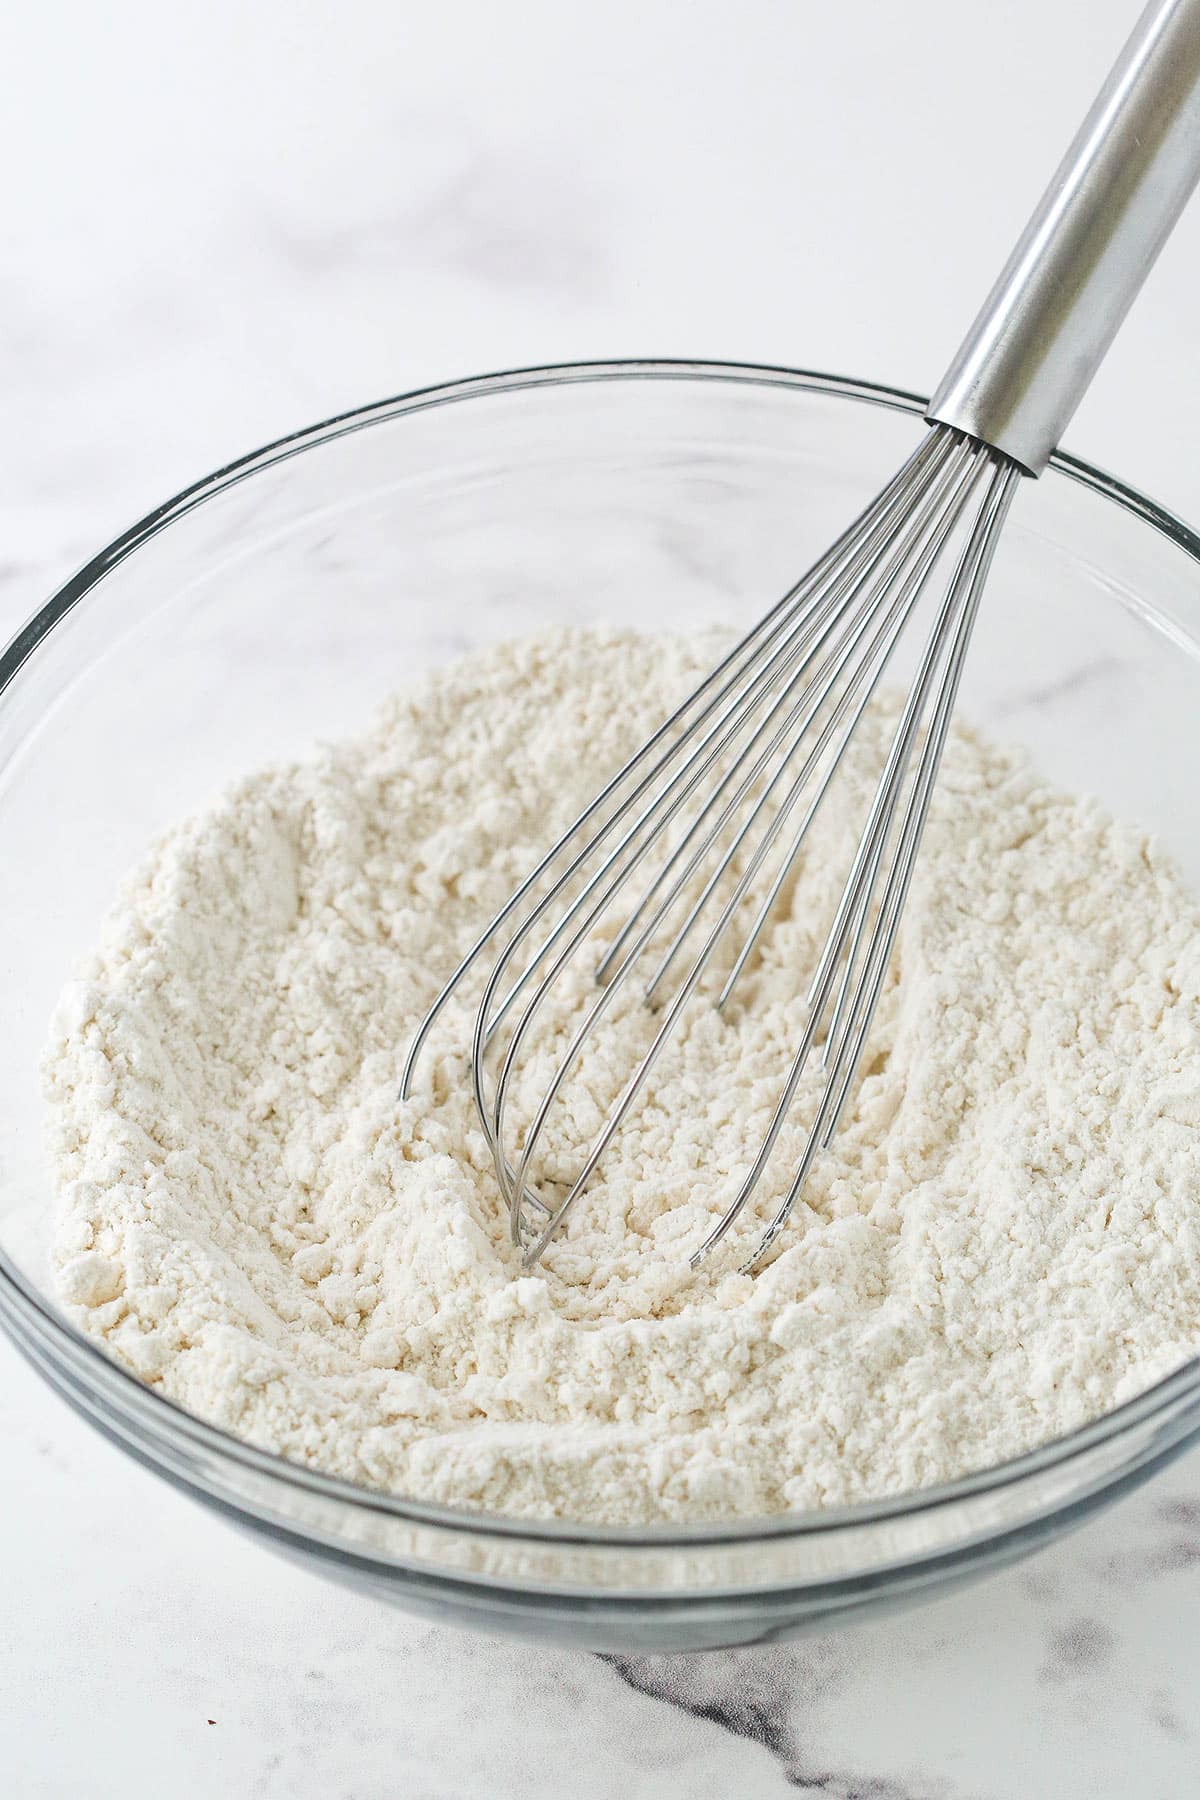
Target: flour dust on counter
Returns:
[1002, 1242]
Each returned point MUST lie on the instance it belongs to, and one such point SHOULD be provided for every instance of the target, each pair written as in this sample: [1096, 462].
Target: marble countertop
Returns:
[230, 221]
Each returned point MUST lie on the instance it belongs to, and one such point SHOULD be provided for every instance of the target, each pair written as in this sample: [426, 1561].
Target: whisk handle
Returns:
[1048, 322]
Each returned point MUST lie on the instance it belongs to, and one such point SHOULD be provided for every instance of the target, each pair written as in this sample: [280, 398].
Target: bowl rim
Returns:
[20, 1301]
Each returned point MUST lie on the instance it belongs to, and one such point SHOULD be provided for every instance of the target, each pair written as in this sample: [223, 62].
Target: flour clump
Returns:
[1002, 1242]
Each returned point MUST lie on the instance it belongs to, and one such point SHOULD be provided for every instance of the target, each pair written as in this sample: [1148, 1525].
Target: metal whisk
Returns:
[708, 820]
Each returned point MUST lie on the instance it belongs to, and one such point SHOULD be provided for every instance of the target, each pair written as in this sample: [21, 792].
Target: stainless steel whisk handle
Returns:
[1045, 327]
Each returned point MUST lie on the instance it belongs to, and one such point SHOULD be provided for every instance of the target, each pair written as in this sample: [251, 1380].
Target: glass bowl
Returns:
[277, 601]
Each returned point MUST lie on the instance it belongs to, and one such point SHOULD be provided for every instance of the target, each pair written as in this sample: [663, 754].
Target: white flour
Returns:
[1004, 1240]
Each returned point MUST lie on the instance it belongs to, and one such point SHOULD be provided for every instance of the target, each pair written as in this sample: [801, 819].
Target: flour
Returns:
[1003, 1241]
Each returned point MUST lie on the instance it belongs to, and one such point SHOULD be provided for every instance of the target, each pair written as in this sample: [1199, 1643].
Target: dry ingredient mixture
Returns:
[1003, 1241]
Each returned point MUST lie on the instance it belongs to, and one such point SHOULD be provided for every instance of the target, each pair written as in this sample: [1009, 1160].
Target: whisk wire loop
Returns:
[716, 790]
[798, 713]
[726, 792]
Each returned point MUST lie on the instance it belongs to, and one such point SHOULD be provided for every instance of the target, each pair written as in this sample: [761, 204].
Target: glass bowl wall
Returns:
[278, 601]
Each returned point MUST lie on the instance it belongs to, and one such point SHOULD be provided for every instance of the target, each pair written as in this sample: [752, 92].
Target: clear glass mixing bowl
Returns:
[277, 601]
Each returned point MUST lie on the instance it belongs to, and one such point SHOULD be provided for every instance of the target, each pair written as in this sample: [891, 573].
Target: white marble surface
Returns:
[225, 222]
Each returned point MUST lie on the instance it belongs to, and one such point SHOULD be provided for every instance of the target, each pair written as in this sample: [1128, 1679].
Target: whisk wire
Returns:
[612, 874]
[722, 677]
[1003, 487]
[838, 1087]
[873, 666]
[942, 508]
[729, 787]
[807, 710]
[941, 474]
[865, 558]
[953, 627]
